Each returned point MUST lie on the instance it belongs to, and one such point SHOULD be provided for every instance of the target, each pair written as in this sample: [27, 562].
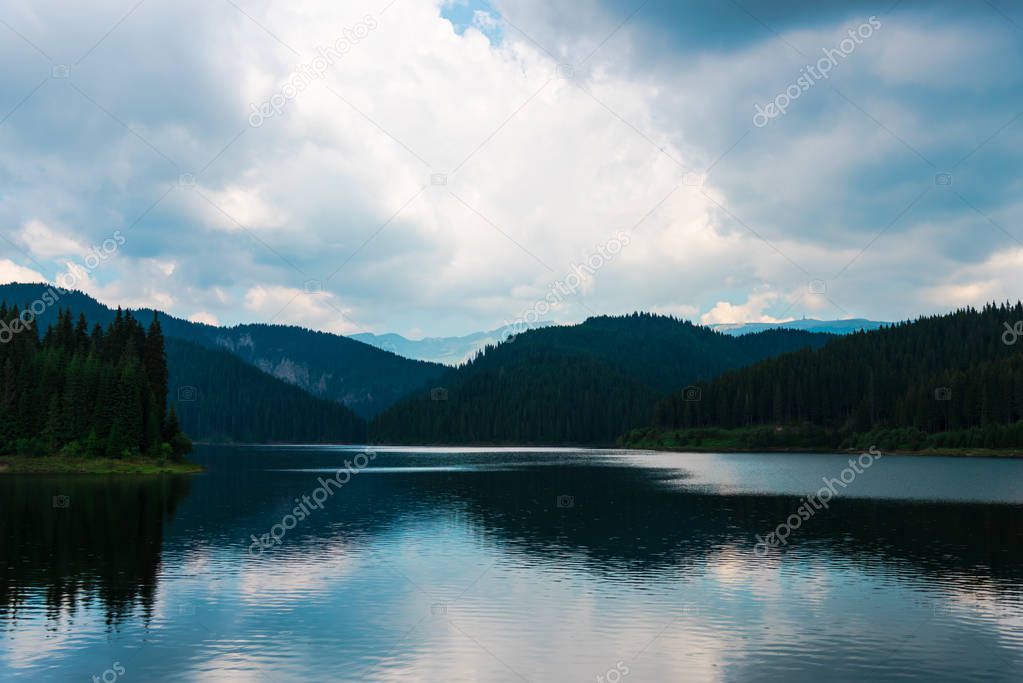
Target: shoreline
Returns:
[22, 464]
[802, 450]
[795, 450]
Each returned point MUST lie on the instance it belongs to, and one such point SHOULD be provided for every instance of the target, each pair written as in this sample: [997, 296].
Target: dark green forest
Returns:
[219, 397]
[329, 366]
[945, 381]
[85, 392]
[579, 384]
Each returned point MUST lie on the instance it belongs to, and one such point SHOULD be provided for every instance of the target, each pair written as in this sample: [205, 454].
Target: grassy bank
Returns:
[802, 440]
[59, 464]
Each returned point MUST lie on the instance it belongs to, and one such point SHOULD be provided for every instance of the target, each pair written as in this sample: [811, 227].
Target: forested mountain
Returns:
[85, 391]
[219, 397]
[457, 350]
[362, 377]
[330, 366]
[584, 383]
[942, 381]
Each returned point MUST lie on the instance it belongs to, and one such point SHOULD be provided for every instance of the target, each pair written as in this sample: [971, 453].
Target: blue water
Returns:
[515, 565]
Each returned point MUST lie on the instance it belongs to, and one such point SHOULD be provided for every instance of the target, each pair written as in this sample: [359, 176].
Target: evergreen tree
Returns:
[99, 394]
[155, 361]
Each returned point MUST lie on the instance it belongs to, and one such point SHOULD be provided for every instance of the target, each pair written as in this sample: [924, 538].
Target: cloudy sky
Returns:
[440, 166]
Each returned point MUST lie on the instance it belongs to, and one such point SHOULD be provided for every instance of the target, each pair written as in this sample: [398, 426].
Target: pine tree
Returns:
[84, 393]
[155, 360]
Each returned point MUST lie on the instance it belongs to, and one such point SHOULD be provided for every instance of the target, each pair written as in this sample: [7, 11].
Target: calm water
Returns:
[515, 565]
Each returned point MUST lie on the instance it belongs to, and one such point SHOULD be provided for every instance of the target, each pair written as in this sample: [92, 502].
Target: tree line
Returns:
[84, 391]
[578, 384]
[940, 381]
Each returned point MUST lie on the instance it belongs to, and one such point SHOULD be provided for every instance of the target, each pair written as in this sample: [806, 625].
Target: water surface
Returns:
[515, 565]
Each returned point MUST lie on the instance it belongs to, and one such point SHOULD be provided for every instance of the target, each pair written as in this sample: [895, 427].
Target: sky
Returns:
[437, 167]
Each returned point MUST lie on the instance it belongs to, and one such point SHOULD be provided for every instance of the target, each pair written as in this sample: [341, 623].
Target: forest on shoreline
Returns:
[124, 394]
[85, 394]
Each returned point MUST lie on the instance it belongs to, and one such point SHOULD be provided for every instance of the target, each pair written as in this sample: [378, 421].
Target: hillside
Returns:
[446, 350]
[219, 397]
[943, 381]
[330, 366]
[584, 383]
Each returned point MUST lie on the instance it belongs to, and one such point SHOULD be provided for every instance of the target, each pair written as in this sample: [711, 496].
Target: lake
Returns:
[431, 564]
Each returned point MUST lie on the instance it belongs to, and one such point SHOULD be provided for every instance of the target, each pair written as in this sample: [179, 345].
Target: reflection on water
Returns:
[505, 564]
[70, 543]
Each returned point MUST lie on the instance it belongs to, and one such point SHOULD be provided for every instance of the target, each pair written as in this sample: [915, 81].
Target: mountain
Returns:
[446, 350]
[575, 384]
[457, 350]
[808, 324]
[364, 378]
[329, 366]
[219, 397]
[952, 380]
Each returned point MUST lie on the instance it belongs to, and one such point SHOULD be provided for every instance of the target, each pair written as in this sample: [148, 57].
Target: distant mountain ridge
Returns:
[457, 350]
[807, 324]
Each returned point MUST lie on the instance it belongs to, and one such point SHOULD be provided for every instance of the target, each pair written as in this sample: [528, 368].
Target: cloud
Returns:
[752, 310]
[45, 242]
[458, 158]
[283, 305]
[12, 272]
[996, 279]
[204, 317]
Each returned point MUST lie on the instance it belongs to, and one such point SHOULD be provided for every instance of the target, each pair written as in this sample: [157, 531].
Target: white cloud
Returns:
[12, 272]
[337, 188]
[45, 242]
[236, 208]
[996, 279]
[204, 317]
[752, 310]
[284, 305]
[143, 283]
